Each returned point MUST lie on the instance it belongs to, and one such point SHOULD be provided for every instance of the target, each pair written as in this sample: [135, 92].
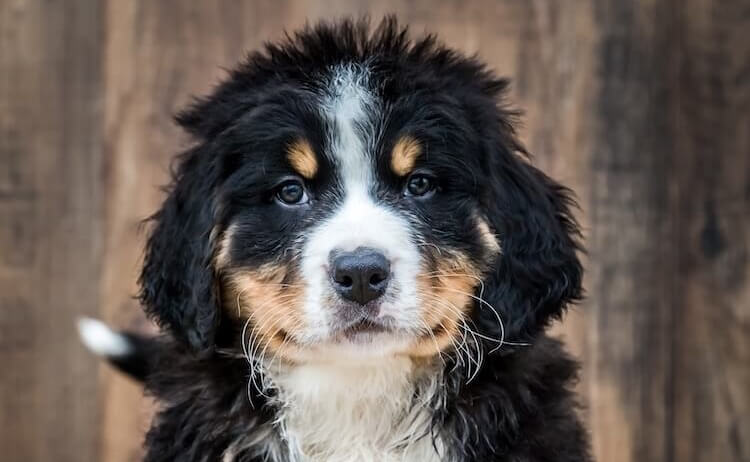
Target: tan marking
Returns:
[488, 237]
[223, 242]
[302, 158]
[404, 155]
[271, 302]
[446, 298]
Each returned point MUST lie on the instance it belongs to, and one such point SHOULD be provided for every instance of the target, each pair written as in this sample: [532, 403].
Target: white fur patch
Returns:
[102, 340]
[357, 412]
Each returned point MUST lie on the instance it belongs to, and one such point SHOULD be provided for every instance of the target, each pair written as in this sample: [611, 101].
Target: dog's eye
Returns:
[419, 185]
[291, 192]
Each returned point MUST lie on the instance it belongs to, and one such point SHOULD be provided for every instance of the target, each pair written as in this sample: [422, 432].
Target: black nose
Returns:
[360, 276]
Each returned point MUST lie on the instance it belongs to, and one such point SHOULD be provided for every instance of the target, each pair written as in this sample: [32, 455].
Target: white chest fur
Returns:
[357, 412]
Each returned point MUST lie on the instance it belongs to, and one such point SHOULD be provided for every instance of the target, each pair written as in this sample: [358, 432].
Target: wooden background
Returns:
[643, 107]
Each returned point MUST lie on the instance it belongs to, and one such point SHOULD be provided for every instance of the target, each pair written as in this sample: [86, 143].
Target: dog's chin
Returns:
[362, 341]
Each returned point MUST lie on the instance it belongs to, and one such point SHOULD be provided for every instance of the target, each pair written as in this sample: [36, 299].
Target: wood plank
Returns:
[632, 252]
[159, 55]
[712, 298]
[50, 156]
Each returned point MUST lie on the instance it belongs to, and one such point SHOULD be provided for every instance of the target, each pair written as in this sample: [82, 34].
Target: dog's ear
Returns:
[177, 280]
[538, 272]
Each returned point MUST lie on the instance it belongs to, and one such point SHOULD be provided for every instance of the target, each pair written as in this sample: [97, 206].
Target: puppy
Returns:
[357, 262]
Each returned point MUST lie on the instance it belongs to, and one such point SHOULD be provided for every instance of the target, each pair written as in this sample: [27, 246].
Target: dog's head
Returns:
[354, 194]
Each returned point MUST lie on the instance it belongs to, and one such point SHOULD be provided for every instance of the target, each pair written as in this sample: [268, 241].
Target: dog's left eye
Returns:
[419, 185]
[291, 192]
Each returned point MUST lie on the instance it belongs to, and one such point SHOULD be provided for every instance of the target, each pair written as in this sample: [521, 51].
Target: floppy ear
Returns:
[538, 273]
[177, 280]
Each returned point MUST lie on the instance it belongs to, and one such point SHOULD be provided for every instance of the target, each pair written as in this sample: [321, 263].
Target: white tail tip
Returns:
[102, 340]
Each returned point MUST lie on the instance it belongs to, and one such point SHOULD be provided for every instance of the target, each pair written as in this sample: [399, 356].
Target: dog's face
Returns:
[354, 226]
[357, 197]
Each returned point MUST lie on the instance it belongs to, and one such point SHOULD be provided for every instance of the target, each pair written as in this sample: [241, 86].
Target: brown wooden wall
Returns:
[643, 107]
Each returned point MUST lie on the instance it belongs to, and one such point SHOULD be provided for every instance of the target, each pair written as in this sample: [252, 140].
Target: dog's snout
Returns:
[360, 276]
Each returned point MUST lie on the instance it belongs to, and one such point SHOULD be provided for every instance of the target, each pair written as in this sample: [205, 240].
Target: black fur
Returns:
[177, 281]
[519, 407]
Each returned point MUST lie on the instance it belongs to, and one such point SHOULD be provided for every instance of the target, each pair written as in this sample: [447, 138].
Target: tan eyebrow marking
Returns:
[302, 158]
[404, 155]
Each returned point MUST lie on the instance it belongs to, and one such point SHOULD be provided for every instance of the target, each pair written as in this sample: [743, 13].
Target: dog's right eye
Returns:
[291, 192]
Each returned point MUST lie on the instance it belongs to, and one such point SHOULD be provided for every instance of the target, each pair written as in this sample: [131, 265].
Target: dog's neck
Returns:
[367, 411]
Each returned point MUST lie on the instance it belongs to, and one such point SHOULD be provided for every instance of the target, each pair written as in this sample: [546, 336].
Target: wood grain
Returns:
[632, 251]
[711, 337]
[50, 210]
[643, 107]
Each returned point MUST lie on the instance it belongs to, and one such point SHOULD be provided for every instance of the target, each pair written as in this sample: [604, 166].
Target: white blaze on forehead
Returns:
[349, 106]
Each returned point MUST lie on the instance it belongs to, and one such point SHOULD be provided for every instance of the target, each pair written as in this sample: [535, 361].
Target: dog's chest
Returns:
[334, 414]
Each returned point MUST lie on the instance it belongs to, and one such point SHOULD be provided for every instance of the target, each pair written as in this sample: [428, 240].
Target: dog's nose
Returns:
[361, 275]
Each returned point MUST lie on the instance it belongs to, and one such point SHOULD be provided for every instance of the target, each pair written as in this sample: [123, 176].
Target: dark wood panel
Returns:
[631, 250]
[712, 298]
[50, 159]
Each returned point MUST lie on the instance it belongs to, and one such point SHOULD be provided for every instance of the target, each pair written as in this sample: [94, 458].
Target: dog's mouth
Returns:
[369, 339]
[364, 327]
[359, 331]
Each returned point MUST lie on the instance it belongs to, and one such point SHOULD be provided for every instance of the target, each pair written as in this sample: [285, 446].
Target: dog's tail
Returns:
[131, 353]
